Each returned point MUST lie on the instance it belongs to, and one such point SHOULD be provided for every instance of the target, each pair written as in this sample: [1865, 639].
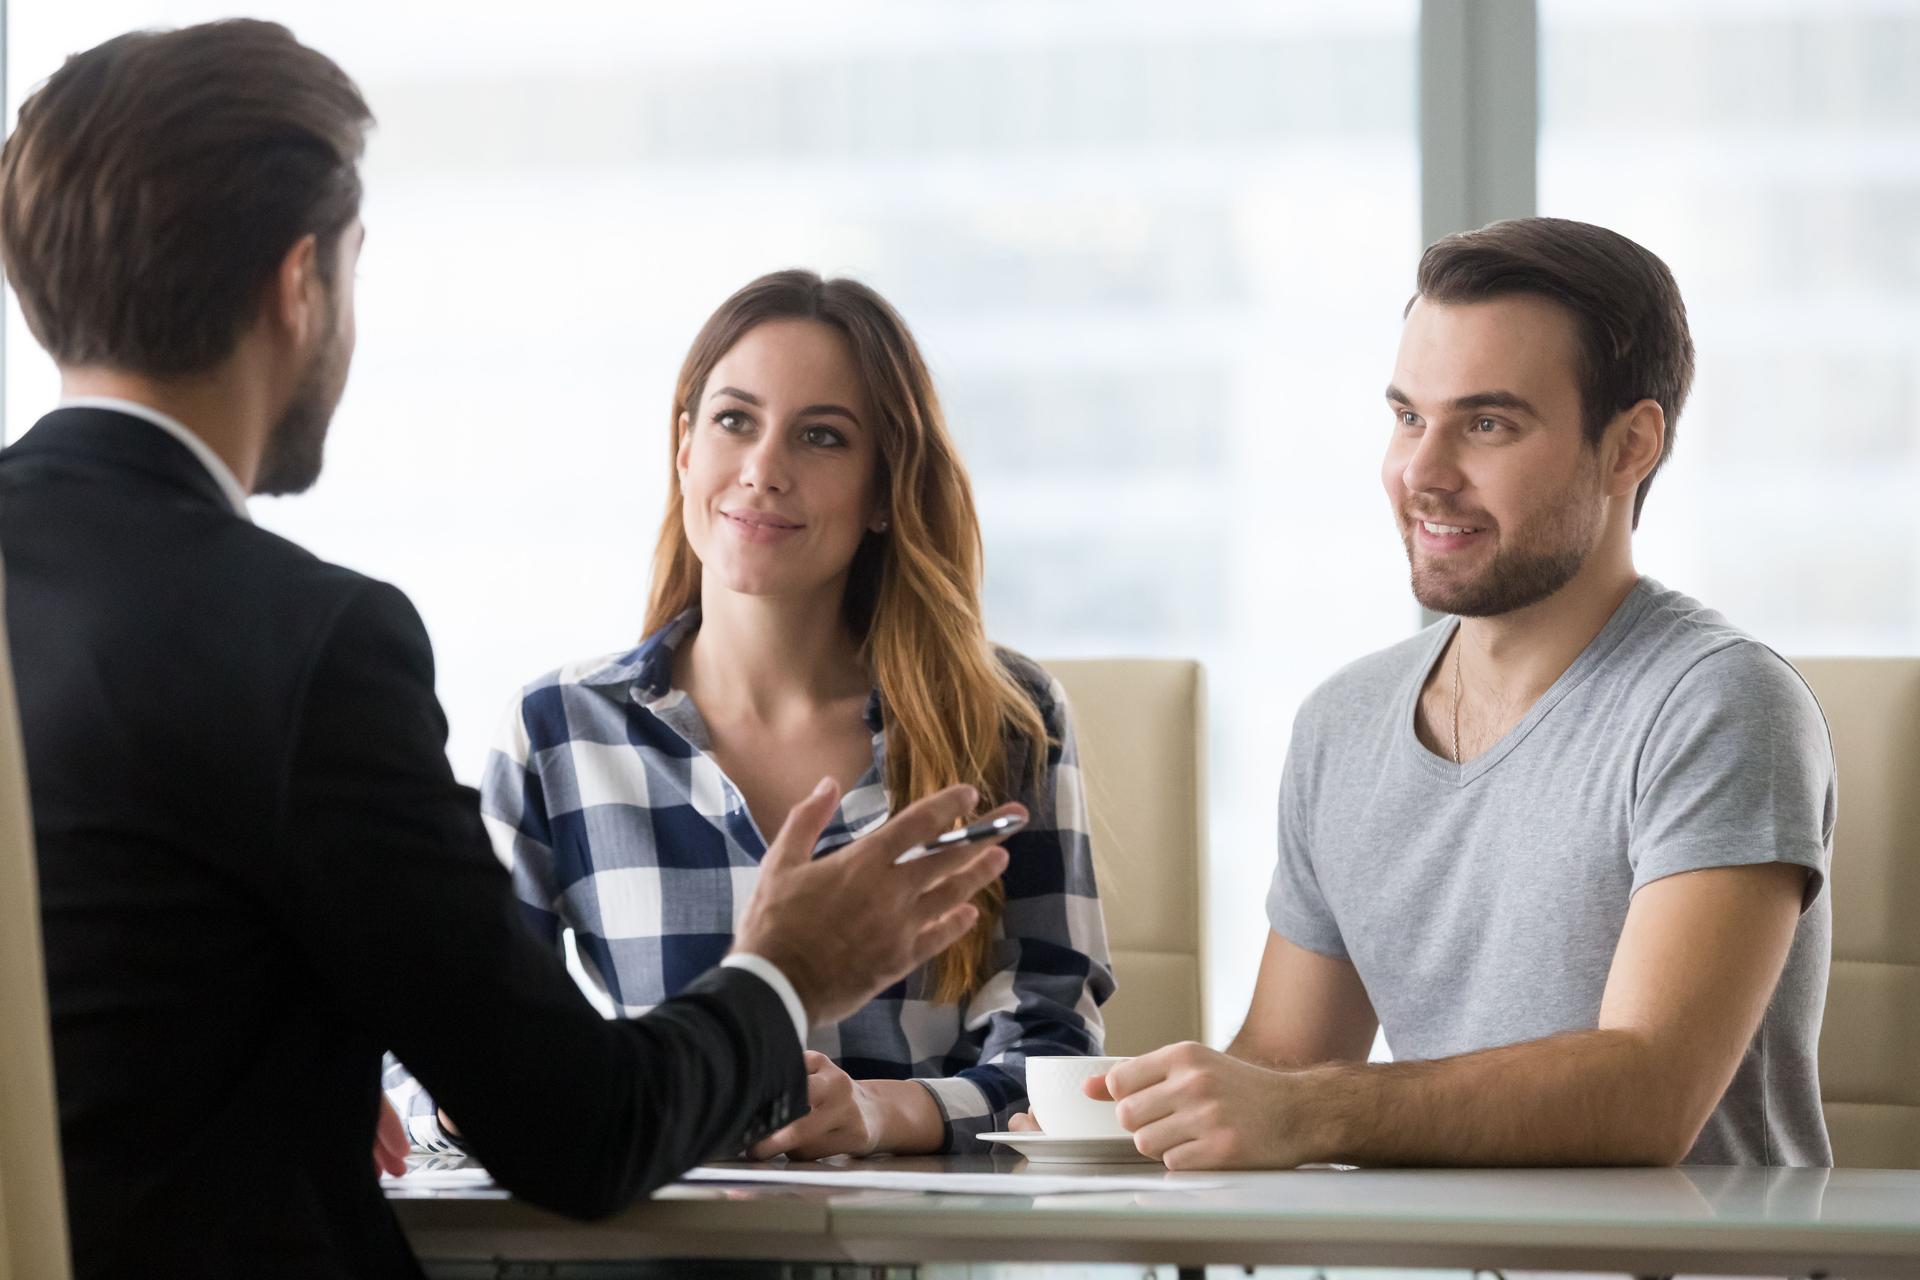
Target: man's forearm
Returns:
[1589, 1097]
[1248, 1049]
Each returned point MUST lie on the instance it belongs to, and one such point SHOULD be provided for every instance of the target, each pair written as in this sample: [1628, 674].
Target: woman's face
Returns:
[778, 463]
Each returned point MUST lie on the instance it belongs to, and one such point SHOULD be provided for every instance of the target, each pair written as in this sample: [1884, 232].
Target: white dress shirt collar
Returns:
[221, 473]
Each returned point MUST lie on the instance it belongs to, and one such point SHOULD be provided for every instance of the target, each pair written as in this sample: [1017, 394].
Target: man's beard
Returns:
[1537, 559]
[290, 461]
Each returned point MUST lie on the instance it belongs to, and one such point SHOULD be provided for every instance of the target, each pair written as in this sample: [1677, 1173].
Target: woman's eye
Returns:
[825, 437]
[730, 421]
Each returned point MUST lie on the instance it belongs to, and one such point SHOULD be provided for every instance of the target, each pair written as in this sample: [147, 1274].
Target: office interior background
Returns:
[1156, 253]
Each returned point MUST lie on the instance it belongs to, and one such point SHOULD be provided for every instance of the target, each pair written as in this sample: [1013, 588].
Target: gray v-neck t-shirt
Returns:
[1481, 903]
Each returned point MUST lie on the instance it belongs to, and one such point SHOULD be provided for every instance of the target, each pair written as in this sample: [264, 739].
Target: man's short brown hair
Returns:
[1632, 324]
[156, 182]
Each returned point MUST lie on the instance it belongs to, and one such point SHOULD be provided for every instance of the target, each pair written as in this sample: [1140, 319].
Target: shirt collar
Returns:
[649, 669]
[221, 473]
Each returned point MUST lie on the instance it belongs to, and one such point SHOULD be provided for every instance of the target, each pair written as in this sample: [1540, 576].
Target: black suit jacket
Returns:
[257, 873]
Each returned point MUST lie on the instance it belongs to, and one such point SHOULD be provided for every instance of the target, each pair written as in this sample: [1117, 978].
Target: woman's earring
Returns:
[881, 525]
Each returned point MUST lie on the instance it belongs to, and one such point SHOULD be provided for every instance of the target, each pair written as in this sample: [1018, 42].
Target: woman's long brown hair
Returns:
[951, 712]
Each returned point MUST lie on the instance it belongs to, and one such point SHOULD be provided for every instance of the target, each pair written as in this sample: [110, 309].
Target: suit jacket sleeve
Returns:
[401, 908]
[512, 809]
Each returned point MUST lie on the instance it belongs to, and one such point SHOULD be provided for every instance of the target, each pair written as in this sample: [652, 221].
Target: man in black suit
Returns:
[257, 871]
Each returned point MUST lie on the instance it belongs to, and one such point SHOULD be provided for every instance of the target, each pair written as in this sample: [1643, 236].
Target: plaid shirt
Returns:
[606, 803]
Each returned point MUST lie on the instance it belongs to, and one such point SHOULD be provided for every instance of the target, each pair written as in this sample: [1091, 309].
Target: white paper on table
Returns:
[440, 1179]
[979, 1184]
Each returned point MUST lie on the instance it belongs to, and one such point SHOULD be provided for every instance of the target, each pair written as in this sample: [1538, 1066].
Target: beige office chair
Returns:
[33, 1214]
[1141, 728]
[1870, 1043]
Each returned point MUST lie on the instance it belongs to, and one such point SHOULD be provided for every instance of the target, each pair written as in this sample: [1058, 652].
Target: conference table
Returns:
[1856, 1224]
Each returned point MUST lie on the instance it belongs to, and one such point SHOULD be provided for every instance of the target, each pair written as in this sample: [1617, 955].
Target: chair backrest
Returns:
[33, 1212]
[1141, 729]
[1870, 1042]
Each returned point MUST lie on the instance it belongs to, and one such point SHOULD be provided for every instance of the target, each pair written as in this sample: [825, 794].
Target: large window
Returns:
[1771, 154]
[1156, 254]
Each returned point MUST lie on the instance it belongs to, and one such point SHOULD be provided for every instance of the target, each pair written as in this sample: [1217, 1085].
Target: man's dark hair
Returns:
[1632, 325]
[156, 182]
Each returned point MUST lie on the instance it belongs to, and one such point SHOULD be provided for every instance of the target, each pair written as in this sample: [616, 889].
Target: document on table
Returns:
[446, 1174]
[441, 1179]
[979, 1184]
[441, 1172]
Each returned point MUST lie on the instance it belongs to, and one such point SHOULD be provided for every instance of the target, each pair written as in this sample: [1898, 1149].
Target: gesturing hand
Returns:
[843, 927]
[842, 1121]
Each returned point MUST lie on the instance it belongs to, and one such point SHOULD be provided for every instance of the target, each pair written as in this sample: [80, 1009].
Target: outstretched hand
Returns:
[842, 928]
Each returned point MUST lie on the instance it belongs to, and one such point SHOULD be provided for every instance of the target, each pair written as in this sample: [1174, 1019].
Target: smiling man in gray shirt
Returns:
[1568, 846]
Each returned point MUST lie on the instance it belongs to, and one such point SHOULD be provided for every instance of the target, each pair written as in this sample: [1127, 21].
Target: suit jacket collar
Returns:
[120, 442]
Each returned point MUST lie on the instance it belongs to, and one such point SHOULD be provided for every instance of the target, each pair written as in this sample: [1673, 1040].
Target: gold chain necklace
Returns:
[1458, 644]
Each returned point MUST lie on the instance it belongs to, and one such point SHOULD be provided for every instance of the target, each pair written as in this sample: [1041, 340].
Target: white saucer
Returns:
[1047, 1148]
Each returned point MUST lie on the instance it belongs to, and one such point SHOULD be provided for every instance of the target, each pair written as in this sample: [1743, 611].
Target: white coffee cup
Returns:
[1059, 1107]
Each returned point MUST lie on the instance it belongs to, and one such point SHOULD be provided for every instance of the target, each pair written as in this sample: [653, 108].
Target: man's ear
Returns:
[296, 302]
[1640, 436]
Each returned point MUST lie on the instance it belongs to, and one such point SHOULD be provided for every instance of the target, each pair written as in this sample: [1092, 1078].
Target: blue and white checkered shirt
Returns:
[605, 802]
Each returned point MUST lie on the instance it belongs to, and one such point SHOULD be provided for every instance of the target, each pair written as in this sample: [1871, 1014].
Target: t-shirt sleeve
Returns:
[1737, 771]
[1296, 908]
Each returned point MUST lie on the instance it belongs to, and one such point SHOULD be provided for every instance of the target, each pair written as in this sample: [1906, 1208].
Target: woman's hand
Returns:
[390, 1144]
[845, 1119]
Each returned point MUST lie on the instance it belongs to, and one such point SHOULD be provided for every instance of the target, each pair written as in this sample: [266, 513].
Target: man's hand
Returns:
[841, 928]
[389, 1141]
[1192, 1107]
[842, 1119]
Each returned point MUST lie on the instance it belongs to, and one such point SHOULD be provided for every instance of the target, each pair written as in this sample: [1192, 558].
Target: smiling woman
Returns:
[776, 498]
[815, 608]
